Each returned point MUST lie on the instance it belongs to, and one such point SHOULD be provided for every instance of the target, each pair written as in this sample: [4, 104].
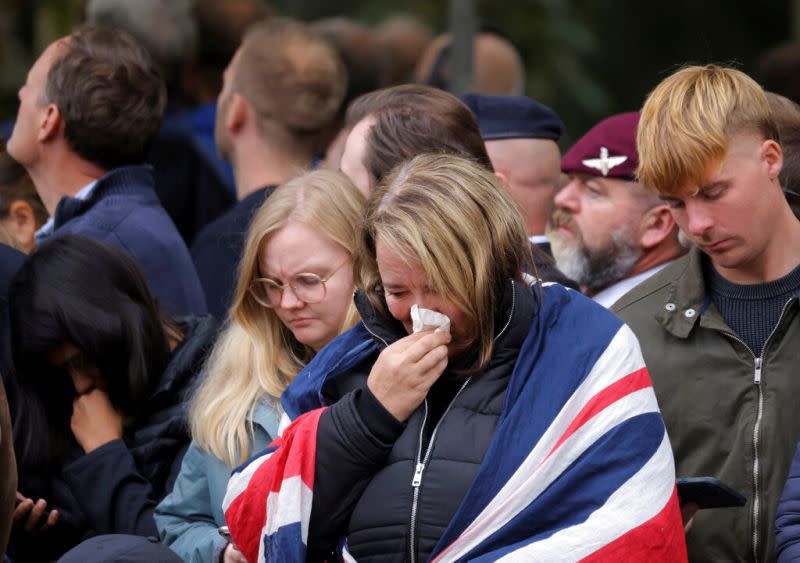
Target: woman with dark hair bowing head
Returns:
[472, 415]
[100, 386]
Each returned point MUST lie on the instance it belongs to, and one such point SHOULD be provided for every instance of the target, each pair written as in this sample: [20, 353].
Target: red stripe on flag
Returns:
[632, 382]
[660, 539]
[247, 514]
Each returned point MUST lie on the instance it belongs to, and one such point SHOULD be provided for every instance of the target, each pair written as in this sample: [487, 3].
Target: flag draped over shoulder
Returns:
[278, 483]
[580, 467]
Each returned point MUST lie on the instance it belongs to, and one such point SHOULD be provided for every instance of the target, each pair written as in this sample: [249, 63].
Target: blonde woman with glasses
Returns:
[294, 295]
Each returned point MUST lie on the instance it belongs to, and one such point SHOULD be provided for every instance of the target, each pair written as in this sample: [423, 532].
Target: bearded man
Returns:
[607, 232]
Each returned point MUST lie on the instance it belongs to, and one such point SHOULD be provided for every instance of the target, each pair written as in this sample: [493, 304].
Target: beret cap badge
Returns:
[605, 162]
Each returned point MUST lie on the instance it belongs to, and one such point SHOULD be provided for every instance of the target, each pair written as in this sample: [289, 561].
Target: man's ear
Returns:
[503, 177]
[23, 223]
[237, 113]
[657, 225]
[50, 124]
[772, 155]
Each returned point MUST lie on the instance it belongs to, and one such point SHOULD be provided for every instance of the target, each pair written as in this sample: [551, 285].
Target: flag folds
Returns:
[580, 467]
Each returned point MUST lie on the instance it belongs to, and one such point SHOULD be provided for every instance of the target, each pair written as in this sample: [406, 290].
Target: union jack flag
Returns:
[580, 467]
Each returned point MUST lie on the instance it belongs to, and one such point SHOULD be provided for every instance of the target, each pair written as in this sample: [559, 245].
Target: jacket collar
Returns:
[686, 296]
[687, 303]
[130, 181]
[516, 308]
[267, 415]
[188, 357]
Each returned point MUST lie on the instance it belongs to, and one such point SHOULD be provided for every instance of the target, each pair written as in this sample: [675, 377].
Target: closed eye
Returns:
[395, 294]
[713, 192]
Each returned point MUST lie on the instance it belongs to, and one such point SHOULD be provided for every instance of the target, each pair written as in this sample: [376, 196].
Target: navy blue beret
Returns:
[513, 117]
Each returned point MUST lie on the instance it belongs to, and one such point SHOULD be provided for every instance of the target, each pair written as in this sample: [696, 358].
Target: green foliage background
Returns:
[585, 58]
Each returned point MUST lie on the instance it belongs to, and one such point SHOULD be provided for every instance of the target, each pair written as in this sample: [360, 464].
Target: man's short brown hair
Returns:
[291, 76]
[110, 96]
[688, 120]
[787, 117]
[413, 119]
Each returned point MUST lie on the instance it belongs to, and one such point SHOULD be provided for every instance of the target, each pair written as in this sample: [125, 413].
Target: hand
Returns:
[232, 555]
[688, 510]
[405, 371]
[33, 517]
[95, 421]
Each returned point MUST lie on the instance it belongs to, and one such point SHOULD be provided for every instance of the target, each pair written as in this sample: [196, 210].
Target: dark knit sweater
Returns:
[752, 310]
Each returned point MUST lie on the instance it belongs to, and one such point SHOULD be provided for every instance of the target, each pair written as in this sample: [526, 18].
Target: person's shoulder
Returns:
[10, 261]
[652, 289]
[569, 309]
[232, 224]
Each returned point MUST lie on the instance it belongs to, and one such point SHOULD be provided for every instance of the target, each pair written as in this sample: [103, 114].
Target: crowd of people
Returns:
[268, 292]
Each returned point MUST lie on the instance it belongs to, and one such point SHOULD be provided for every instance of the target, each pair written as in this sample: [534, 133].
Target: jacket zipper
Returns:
[419, 469]
[757, 363]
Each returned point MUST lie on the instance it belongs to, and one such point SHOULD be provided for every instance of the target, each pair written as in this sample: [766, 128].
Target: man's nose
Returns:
[567, 197]
[700, 220]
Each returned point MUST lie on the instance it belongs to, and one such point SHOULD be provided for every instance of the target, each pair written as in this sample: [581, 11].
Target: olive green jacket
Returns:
[729, 414]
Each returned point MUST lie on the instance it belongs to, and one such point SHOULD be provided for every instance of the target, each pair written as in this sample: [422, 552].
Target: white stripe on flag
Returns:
[534, 475]
[239, 481]
[621, 358]
[639, 500]
[290, 505]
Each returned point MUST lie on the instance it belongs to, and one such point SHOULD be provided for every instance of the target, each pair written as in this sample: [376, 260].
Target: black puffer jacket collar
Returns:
[516, 310]
[186, 360]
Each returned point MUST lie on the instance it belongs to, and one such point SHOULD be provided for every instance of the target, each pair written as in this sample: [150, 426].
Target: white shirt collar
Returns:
[47, 229]
[539, 239]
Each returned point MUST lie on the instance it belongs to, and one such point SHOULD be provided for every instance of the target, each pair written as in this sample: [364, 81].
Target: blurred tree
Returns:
[585, 58]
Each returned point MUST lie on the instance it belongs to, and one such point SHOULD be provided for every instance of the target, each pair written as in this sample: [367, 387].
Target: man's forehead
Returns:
[713, 172]
[741, 146]
[56, 49]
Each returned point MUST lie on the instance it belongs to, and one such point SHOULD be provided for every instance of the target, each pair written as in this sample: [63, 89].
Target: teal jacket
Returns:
[188, 518]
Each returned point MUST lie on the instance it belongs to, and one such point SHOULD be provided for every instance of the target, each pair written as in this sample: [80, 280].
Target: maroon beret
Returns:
[608, 149]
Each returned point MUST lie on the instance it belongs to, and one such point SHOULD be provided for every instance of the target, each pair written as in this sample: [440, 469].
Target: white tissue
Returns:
[425, 319]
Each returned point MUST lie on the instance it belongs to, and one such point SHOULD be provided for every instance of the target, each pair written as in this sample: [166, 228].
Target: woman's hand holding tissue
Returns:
[405, 370]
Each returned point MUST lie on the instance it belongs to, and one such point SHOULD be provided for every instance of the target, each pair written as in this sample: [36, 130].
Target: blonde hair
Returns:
[458, 222]
[687, 121]
[256, 356]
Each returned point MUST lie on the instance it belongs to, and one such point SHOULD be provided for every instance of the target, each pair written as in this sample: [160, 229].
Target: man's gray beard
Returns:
[595, 270]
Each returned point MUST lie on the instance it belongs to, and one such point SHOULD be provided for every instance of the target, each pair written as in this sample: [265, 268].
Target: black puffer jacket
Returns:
[366, 460]
[115, 488]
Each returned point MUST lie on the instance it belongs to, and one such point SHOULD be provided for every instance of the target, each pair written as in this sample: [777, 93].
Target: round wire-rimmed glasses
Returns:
[307, 287]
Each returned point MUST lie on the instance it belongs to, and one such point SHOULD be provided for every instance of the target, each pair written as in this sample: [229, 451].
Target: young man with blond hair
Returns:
[719, 328]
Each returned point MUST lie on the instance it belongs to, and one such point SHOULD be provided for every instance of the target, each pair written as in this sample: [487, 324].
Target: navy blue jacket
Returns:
[123, 210]
[787, 522]
[189, 186]
[10, 261]
[217, 249]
